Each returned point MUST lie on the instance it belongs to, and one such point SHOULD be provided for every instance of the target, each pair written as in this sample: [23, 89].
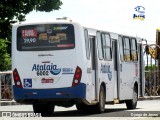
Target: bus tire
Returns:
[100, 107]
[132, 104]
[45, 109]
[81, 106]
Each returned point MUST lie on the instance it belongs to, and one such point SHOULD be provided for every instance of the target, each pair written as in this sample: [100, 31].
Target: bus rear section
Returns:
[45, 68]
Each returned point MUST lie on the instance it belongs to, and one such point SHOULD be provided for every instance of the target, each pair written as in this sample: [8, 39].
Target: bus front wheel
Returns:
[131, 104]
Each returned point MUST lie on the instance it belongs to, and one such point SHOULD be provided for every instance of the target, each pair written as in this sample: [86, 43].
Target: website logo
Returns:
[19, 114]
[139, 13]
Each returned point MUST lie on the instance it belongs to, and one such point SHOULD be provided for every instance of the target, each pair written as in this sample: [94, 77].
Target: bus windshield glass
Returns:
[45, 37]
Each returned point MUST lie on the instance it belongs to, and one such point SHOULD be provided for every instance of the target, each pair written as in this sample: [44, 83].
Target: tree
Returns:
[12, 11]
[5, 61]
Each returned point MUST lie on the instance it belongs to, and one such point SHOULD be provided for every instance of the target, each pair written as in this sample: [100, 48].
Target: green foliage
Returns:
[5, 61]
[12, 11]
[153, 67]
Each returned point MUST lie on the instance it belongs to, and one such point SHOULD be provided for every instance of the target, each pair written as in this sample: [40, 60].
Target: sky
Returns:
[110, 15]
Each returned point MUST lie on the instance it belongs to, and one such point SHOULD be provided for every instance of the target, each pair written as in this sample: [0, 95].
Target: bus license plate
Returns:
[45, 80]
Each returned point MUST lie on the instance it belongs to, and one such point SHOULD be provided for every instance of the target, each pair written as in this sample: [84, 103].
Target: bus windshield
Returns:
[44, 37]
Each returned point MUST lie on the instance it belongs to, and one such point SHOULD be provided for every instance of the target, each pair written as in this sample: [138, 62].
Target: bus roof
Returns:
[66, 20]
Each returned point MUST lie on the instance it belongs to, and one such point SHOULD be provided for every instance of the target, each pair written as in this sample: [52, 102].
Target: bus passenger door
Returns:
[126, 69]
[116, 68]
[94, 63]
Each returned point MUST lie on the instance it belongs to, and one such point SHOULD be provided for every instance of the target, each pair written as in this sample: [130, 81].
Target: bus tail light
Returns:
[17, 79]
[77, 76]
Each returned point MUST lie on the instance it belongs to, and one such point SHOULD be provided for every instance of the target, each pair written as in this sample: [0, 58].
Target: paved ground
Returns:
[112, 112]
[144, 104]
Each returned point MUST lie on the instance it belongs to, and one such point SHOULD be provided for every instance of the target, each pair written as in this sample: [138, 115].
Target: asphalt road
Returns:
[148, 109]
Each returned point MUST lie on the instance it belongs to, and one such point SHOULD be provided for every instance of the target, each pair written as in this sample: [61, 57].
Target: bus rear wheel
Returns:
[98, 108]
[45, 109]
[81, 106]
[132, 104]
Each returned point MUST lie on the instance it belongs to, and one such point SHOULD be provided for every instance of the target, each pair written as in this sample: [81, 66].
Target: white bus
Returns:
[63, 63]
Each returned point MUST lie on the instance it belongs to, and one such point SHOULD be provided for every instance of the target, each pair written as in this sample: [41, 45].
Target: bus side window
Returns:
[127, 55]
[87, 42]
[134, 49]
[121, 48]
[106, 41]
[99, 46]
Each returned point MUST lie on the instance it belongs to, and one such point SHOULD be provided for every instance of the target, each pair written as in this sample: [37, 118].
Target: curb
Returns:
[149, 98]
[7, 103]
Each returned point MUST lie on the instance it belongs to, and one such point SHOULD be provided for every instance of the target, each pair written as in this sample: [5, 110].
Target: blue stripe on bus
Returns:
[78, 91]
